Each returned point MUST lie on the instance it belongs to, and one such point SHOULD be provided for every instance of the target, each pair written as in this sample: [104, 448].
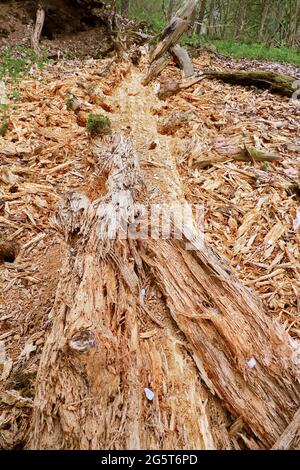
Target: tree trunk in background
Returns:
[201, 16]
[125, 7]
[240, 19]
[36, 35]
[211, 18]
[293, 22]
[263, 20]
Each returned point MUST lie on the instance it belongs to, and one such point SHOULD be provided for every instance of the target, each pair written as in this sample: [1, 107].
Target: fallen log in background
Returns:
[275, 82]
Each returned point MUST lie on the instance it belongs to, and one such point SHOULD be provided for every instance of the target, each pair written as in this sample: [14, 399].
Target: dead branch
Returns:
[245, 154]
[156, 68]
[184, 60]
[168, 39]
[170, 89]
[178, 25]
[36, 35]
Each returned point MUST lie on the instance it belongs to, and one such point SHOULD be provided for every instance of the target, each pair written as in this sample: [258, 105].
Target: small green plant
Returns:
[98, 124]
[69, 103]
[264, 166]
[17, 63]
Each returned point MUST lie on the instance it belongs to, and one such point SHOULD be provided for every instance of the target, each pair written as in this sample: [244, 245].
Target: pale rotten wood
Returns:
[184, 60]
[286, 439]
[178, 25]
[160, 56]
[95, 398]
[36, 35]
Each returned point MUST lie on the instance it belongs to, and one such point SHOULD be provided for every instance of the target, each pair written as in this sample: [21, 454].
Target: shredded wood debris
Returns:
[251, 207]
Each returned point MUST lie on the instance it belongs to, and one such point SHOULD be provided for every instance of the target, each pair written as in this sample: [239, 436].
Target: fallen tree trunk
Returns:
[113, 368]
[275, 82]
[106, 348]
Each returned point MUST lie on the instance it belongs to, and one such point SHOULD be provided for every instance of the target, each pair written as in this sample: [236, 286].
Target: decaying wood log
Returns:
[286, 439]
[168, 44]
[106, 347]
[170, 89]
[184, 60]
[275, 82]
[239, 154]
[36, 35]
[178, 25]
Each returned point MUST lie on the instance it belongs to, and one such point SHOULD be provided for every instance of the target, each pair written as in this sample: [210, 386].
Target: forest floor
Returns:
[252, 211]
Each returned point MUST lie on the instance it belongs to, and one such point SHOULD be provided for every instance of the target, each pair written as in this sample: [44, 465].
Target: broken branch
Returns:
[36, 35]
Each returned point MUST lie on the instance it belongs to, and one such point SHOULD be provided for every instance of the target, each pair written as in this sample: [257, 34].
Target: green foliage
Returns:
[257, 51]
[245, 51]
[16, 63]
[240, 29]
[98, 124]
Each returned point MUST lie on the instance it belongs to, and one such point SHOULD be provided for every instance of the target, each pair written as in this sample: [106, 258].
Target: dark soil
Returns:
[73, 28]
